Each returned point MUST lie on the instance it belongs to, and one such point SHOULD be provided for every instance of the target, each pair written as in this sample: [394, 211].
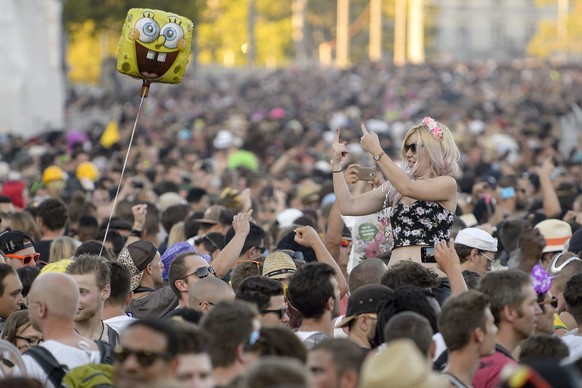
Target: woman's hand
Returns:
[369, 141]
[339, 149]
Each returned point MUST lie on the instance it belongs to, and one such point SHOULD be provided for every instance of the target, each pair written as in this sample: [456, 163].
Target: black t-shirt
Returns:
[44, 248]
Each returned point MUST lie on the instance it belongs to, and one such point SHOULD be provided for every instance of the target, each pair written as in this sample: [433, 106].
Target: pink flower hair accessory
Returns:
[542, 281]
[433, 126]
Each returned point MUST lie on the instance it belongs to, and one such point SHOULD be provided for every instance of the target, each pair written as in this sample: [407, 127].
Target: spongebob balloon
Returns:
[154, 46]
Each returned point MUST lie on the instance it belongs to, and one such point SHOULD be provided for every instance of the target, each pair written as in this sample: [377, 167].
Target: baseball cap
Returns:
[556, 233]
[135, 257]
[170, 199]
[288, 216]
[142, 253]
[14, 241]
[477, 238]
[364, 301]
[212, 215]
[52, 173]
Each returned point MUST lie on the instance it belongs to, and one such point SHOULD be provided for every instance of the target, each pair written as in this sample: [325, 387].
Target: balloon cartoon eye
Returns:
[173, 33]
[149, 29]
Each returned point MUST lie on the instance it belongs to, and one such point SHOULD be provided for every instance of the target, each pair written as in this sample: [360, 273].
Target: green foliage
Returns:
[223, 31]
[106, 13]
[548, 41]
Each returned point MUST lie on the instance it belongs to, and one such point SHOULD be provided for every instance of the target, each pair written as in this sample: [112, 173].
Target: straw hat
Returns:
[400, 365]
[278, 265]
[556, 233]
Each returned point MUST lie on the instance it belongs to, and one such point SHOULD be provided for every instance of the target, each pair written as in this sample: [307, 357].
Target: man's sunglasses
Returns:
[542, 302]
[201, 273]
[144, 357]
[280, 312]
[410, 147]
[25, 259]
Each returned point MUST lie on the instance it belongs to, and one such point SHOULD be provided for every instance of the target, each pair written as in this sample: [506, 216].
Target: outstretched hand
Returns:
[139, 212]
[339, 148]
[241, 222]
[306, 236]
[370, 141]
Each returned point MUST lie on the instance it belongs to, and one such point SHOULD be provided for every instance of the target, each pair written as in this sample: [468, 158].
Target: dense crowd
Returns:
[227, 246]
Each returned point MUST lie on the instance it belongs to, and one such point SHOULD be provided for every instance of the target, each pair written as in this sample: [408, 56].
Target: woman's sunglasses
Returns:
[410, 147]
[144, 358]
[25, 259]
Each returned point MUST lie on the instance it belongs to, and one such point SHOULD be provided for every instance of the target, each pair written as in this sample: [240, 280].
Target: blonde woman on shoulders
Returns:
[421, 192]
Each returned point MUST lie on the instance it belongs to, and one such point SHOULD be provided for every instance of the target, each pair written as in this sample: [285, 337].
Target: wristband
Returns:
[136, 233]
[334, 171]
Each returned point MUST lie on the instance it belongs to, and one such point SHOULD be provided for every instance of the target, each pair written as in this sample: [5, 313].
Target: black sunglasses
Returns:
[410, 147]
[542, 302]
[144, 357]
[201, 273]
[280, 312]
[214, 245]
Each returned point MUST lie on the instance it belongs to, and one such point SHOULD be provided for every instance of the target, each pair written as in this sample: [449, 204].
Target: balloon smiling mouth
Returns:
[153, 64]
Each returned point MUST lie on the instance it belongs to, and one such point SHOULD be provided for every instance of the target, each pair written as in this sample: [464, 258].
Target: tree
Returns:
[561, 36]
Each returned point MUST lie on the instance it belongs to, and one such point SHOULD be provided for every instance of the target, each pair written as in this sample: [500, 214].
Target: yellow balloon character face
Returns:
[155, 45]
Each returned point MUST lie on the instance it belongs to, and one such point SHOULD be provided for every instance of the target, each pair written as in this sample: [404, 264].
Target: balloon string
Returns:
[121, 176]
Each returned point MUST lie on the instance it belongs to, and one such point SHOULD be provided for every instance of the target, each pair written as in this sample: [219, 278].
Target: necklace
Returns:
[102, 330]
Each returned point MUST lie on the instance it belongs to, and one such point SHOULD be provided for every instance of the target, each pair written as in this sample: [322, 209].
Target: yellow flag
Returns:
[110, 135]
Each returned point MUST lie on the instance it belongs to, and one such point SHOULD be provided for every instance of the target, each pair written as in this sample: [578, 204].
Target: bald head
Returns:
[367, 272]
[210, 290]
[58, 291]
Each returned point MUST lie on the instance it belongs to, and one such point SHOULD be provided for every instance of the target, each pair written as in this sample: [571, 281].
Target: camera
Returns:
[366, 173]
[427, 255]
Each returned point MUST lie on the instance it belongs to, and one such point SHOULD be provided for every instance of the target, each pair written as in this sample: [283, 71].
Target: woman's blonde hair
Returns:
[24, 222]
[176, 234]
[63, 247]
[442, 153]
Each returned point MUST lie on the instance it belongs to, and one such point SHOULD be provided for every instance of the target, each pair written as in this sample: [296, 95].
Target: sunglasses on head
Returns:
[201, 273]
[214, 245]
[257, 263]
[280, 312]
[410, 147]
[25, 259]
[344, 243]
[144, 357]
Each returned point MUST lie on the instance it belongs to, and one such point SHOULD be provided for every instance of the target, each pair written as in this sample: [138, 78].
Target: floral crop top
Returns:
[421, 223]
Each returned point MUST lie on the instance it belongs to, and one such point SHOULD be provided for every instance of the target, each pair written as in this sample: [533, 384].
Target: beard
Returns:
[86, 314]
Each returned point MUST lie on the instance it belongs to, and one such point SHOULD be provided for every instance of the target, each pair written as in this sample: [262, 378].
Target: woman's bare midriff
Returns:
[412, 253]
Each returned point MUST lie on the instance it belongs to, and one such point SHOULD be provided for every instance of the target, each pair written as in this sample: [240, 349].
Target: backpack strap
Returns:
[48, 363]
[106, 351]
[112, 336]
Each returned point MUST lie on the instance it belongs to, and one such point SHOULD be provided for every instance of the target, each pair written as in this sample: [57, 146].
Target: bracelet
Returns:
[136, 233]
[334, 171]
